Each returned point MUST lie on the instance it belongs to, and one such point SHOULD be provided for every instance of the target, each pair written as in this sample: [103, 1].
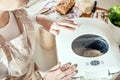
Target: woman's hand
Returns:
[58, 72]
[63, 25]
[56, 26]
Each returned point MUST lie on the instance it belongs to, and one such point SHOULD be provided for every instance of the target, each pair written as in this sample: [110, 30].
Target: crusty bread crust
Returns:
[64, 6]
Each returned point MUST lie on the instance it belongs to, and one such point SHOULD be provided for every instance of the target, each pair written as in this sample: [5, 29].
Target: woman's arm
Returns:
[44, 21]
[55, 26]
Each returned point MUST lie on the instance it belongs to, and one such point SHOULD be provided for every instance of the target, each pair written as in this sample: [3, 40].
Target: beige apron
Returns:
[21, 65]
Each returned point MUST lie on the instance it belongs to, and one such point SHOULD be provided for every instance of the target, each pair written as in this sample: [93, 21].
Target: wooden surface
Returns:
[88, 15]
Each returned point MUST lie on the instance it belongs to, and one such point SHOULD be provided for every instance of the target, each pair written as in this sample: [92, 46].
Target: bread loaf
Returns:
[64, 6]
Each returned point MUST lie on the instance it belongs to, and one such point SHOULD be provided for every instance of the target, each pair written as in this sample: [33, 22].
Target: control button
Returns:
[95, 62]
[102, 62]
[87, 63]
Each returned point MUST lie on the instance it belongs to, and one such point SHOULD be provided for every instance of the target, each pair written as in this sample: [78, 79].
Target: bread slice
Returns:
[64, 6]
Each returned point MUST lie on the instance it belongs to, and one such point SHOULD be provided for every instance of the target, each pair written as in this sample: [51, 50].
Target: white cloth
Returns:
[11, 28]
[10, 31]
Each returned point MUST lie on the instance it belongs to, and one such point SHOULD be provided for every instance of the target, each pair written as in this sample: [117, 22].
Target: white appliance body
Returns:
[90, 68]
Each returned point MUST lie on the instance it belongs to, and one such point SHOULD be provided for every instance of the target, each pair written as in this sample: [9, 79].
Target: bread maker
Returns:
[93, 46]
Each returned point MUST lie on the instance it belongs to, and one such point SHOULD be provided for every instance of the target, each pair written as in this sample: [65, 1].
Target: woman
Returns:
[17, 44]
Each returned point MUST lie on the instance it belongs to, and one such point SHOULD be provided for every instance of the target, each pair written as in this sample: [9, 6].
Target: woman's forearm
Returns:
[44, 21]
